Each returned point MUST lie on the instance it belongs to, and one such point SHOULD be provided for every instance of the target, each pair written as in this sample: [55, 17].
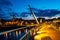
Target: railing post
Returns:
[14, 34]
[20, 32]
[6, 35]
[9, 35]
[17, 35]
[32, 31]
[26, 31]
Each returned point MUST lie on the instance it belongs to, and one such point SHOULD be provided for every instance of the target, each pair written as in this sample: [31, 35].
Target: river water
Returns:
[14, 35]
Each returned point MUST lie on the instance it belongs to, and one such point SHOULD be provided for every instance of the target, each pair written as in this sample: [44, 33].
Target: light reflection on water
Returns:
[16, 35]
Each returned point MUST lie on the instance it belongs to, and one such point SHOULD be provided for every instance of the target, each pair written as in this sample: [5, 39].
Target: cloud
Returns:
[29, 17]
[58, 15]
[24, 14]
[48, 13]
[5, 3]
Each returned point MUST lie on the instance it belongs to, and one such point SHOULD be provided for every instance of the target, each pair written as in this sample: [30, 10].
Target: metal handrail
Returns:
[24, 36]
[16, 30]
[12, 30]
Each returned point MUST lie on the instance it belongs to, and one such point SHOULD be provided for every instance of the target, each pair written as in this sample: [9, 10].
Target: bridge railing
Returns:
[18, 34]
[14, 34]
[33, 32]
[25, 37]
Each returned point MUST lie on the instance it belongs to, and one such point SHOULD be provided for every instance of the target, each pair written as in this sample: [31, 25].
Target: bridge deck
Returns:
[47, 32]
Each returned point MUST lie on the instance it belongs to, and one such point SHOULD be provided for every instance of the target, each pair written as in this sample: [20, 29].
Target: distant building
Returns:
[56, 19]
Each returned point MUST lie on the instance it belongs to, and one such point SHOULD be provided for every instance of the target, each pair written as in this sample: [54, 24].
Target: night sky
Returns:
[20, 6]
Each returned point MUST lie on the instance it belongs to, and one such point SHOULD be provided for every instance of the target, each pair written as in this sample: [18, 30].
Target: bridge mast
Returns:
[33, 14]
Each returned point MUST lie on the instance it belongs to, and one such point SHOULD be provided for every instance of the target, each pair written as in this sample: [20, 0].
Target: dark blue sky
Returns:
[20, 6]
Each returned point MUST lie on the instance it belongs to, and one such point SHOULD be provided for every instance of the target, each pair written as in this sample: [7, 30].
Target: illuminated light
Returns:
[40, 20]
[0, 23]
[46, 38]
[18, 24]
[38, 37]
[40, 32]
[17, 33]
[56, 17]
[48, 25]
[34, 33]
[6, 34]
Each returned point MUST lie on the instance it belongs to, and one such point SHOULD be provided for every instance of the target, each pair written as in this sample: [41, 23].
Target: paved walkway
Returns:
[48, 32]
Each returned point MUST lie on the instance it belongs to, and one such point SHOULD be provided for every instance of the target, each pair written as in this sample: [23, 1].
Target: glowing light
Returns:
[38, 37]
[39, 32]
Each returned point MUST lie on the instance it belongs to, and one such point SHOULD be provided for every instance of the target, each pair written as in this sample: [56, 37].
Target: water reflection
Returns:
[15, 35]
